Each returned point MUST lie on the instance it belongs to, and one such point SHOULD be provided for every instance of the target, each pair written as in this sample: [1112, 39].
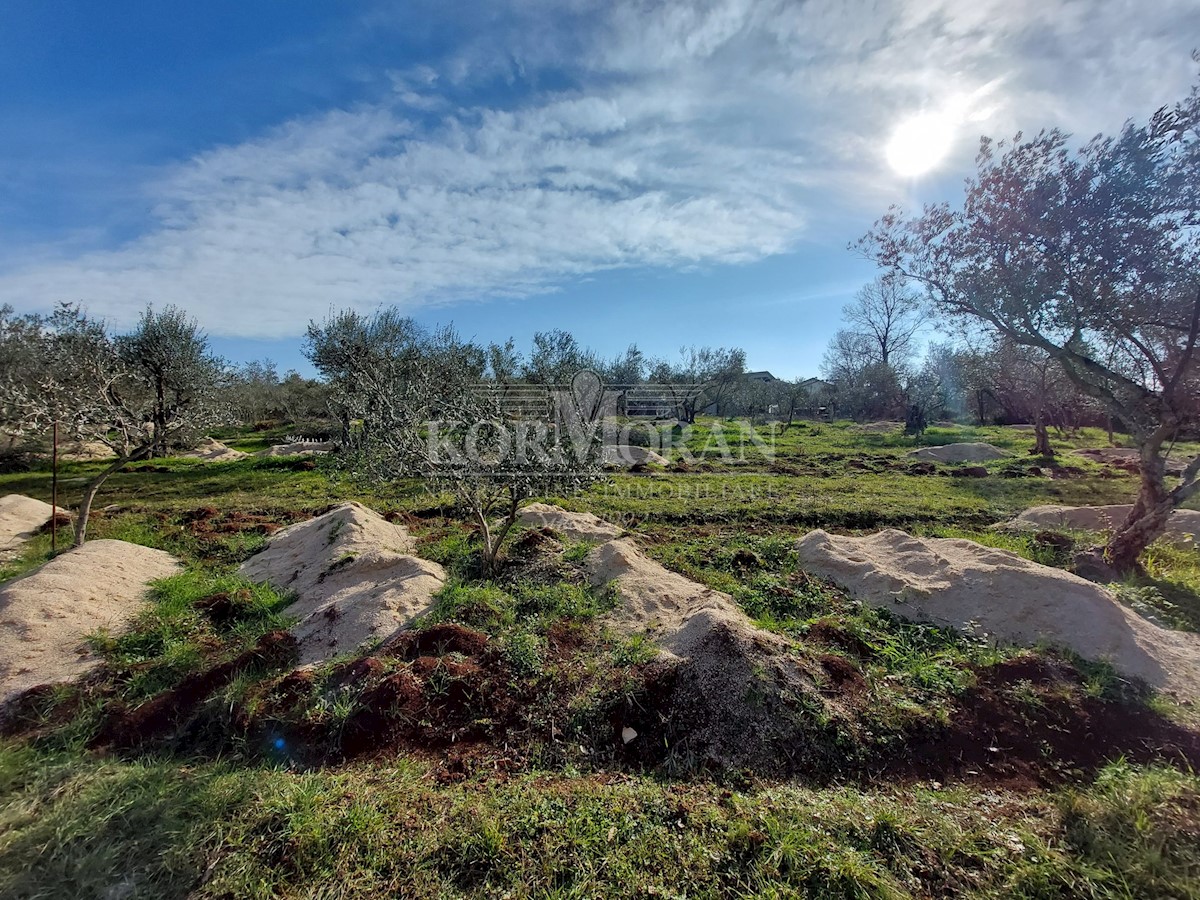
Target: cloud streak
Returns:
[701, 135]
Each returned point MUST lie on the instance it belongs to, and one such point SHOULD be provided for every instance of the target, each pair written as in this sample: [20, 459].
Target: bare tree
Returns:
[925, 391]
[848, 353]
[864, 387]
[889, 317]
[1091, 257]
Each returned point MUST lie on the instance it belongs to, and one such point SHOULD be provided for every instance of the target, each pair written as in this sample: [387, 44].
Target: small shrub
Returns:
[523, 652]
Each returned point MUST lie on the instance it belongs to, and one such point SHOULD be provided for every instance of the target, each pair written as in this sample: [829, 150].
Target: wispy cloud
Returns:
[702, 134]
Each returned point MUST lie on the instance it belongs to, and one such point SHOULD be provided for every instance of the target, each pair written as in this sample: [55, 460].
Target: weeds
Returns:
[388, 829]
[569, 815]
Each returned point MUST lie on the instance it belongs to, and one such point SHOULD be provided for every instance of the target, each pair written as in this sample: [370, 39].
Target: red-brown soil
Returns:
[1026, 721]
[160, 715]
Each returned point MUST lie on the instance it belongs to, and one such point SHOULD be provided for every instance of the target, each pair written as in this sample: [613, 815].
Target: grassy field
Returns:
[947, 767]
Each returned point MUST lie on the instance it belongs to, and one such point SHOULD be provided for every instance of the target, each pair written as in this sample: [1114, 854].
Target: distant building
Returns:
[819, 402]
[764, 376]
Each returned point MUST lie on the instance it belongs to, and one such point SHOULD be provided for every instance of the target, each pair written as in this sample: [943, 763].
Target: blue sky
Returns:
[649, 172]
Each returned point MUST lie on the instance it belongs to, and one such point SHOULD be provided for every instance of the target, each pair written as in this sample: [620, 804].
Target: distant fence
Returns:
[306, 439]
[635, 401]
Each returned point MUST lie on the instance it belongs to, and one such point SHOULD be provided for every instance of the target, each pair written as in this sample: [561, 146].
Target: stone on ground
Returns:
[46, 615]
[212, 450]
[354, 577]
[1007, 599]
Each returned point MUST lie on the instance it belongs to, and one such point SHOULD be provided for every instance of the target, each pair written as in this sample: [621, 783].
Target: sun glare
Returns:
[919, 144]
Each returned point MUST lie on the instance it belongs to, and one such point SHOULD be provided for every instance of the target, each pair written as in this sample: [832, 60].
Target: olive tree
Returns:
[702, 377]
[347, 345]
[78, 376]
[427, 411]
[168, 355]
[1090, 256]
[1029, 386]
[556, 357]
[626, 368]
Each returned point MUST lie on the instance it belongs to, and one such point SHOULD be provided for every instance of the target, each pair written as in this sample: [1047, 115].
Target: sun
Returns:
[919, 144]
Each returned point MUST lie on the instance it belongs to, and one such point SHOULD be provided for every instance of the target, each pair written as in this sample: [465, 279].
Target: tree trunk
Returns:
[160, 419]
[494, 540]
[1148, 518]
[1042, 433]
[89, 494]
[93, 487]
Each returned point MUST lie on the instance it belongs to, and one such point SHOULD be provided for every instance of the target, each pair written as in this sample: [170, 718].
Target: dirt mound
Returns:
[445, 690]
[742, 696]
[1183, 526]
[574, 526]
[84, 451]
[958, 453]
[353, 577]
[454, 689]
[20, 518]
[305, 448]
[44, 616]
[627, 456]
[654, 599]
[999, 595]
[214, 451]
[1127, 459]
[880, 427]
[712, 658]
[207, 523]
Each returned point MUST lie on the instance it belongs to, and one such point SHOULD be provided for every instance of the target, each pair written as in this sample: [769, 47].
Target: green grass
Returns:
[211, 818]
[73, 827]
[176, 634]
[172, 636]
